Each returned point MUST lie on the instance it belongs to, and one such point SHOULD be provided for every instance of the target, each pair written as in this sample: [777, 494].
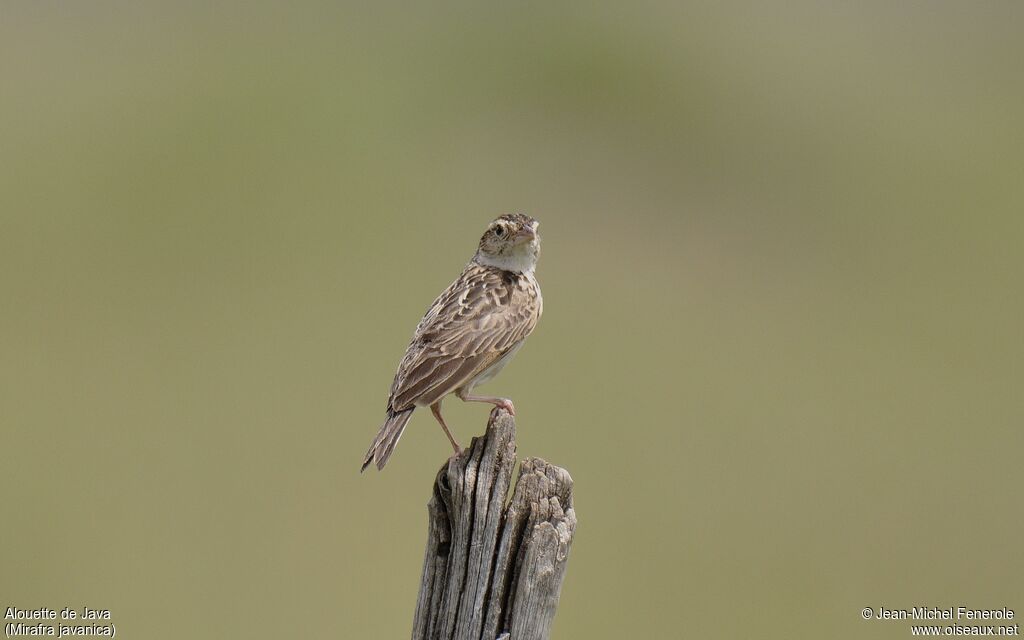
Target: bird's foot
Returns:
[501, 403]
[506, 404]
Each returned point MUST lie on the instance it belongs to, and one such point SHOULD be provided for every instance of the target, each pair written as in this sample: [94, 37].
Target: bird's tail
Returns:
[384, 444]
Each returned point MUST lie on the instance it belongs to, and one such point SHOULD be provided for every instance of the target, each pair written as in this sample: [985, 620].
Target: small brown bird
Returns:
[470, 332]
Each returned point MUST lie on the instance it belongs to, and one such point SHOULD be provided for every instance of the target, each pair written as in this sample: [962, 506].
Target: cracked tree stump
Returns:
[493, 568]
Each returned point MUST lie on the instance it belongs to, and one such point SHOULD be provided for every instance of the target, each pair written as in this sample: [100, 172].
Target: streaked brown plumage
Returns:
[469, 333]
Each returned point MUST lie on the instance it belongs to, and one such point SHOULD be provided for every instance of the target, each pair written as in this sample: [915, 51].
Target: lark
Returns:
[471, 331]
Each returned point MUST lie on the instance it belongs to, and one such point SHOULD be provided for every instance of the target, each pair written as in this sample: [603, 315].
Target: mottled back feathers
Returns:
[473, 323]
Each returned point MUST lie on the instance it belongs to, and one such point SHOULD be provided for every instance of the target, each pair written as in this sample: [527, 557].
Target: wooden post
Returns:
[493, 568]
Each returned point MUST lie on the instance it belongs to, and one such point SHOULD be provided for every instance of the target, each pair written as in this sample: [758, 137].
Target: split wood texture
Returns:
[493, 569]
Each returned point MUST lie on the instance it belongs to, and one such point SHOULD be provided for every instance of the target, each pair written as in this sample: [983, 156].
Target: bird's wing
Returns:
[475, 321]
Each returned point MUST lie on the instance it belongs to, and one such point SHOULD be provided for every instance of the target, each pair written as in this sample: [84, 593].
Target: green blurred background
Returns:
[781, 352]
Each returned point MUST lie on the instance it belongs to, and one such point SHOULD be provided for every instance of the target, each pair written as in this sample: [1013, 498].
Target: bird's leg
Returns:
[436, 410]
[504, 403]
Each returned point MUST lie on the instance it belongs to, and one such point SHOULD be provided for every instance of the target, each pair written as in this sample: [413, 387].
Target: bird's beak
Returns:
[526, 234]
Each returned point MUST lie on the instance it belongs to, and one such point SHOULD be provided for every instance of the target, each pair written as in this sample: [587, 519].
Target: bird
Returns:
[469, 333]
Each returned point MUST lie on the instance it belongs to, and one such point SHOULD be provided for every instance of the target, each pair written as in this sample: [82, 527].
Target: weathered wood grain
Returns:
[494, 567]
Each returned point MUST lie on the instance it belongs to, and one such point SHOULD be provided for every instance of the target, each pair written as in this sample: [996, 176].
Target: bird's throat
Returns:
[523, 259]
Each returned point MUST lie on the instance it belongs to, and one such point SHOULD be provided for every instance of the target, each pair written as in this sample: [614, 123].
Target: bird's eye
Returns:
[499, 231]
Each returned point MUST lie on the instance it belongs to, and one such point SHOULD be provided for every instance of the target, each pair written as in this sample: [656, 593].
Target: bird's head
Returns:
[511, 243]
